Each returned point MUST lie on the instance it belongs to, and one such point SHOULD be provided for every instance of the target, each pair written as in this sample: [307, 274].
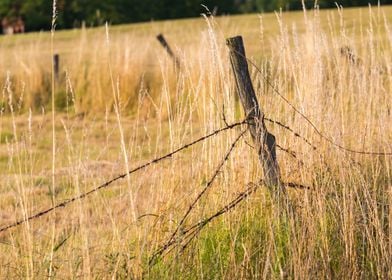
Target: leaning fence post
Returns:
[56, 66]
[166, 46]
[264, 141]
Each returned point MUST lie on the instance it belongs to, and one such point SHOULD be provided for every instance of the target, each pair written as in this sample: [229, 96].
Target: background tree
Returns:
[71, 13]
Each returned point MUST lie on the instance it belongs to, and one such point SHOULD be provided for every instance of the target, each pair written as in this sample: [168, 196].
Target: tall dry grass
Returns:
[121, 102]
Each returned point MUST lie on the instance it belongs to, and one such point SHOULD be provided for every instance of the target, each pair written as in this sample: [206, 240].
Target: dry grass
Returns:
[107, 124]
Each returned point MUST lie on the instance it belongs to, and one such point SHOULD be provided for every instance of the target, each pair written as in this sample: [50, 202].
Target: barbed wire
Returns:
[122, 176]
[296, 134]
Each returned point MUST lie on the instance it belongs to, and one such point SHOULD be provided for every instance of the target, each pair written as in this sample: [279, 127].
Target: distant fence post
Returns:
[56, 66]
[166, 46]
[264, 141]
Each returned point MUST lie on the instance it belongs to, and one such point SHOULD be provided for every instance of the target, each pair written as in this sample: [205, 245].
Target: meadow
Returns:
[120, 101]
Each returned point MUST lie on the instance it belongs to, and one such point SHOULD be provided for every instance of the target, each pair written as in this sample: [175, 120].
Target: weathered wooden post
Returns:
[166, 46]
[56, 66]
[264, 141]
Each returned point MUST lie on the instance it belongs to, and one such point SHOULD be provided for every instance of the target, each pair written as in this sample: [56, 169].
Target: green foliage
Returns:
[37, 14]
[71, 13]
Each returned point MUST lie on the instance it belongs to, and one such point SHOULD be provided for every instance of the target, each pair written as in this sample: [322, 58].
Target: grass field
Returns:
[120, 102]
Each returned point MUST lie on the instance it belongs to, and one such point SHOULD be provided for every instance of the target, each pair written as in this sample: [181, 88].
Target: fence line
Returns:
[151, 162]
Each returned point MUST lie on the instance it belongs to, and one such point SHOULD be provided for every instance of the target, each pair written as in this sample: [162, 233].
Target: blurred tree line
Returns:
[71, 13]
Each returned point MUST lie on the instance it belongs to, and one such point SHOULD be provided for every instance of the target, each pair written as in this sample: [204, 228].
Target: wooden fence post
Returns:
[56, 66]
[166, 46]
[264, 141]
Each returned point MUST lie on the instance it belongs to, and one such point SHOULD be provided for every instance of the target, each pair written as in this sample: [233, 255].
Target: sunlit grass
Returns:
[338, 229]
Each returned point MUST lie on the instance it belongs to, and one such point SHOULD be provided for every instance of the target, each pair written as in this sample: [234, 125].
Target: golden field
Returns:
[120, 101]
